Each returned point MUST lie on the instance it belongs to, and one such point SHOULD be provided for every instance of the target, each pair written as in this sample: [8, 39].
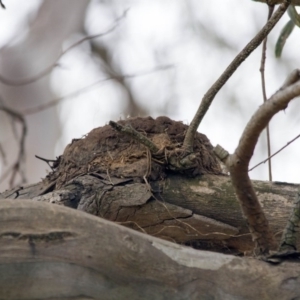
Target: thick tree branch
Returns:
[238, 162]
[214, 89]
[53, 252]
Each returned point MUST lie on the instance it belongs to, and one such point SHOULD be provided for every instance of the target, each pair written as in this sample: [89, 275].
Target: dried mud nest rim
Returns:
[104, 150]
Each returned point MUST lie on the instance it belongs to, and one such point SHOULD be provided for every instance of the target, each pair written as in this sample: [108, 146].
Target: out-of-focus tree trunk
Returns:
[55, 21]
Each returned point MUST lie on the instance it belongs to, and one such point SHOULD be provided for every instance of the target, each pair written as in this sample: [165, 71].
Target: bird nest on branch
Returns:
[138, 148]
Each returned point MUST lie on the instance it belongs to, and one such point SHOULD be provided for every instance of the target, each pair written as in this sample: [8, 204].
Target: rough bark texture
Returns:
[112, 177]
[52, 252]
[202, 212]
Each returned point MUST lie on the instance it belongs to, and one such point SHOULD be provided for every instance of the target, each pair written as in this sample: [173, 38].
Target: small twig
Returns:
[135, 135]
[41, 107]
[188, 143]
[53, 65]
[263, 83]
[47, 160]
[264, 161]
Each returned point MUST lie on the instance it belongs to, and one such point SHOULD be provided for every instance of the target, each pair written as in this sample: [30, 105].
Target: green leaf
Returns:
[284, 34]
[293, 14]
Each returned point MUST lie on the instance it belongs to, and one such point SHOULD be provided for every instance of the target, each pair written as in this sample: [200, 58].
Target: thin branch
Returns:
[55, 64]
[2, 5]
[275, 2]
[2, 154]
[41, 107]
[188, 143]
[264, 161]
[16, 167]
[135, 135]
[107, 65]
[238, 163]
[263, 83]
[47, 161]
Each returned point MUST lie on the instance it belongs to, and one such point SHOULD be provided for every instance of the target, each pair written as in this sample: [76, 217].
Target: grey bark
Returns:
[202, 210]
[53, 252]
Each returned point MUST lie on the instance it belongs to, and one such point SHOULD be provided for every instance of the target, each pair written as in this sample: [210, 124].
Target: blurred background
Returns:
[152, 58]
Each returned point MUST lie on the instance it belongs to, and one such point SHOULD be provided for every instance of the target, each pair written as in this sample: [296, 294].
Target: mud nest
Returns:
[107, 151]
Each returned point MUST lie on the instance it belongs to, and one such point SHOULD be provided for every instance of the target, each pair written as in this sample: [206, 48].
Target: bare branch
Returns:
[264, 161]
[214, 89]
[49, 69]
[263, 83]
[47, 161]
[2, 5]
[238, 163]
[274, 2]
[263, 115]
[39, 108]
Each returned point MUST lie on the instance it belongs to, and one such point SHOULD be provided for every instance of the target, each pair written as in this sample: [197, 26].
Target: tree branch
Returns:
[238, 162]
[16, 166]
[274, 2]
[97, 257]
[44, 106]
[12, 82]
[214, 89]
[264, 161]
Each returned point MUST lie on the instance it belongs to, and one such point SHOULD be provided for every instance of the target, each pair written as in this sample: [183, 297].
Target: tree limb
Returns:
[53, 252]
[238, 163]
[214, 89]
